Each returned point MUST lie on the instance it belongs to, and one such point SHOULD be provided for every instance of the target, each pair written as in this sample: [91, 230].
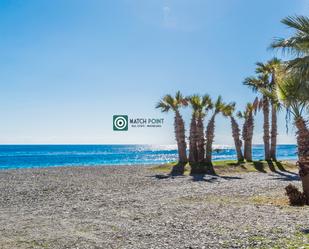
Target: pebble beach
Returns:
[135, 207]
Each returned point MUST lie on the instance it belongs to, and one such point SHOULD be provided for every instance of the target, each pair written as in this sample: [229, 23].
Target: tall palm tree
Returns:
[204, 106]
[170, 103]
[274, 68]
[293, 92]
[228, 111]
[194, 101]
[200, 105]
[258, 84]
[210, 133]
[248, 126]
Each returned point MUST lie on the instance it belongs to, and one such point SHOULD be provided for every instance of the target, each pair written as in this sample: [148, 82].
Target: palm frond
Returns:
[228, 109]
[255, 83]
[301, 65]
[219, 105]
[180, 100]
[298, 44]
[169, 102]
[163, 106]
[293, 93]
[300, 23]
[207, 102]
[194, 101]
[261, 68]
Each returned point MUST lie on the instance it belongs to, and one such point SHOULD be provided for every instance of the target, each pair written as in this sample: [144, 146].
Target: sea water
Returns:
[33, 156]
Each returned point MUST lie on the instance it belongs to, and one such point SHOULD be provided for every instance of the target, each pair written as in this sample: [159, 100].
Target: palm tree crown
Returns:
[297, 45]
[293, 93]
[169, 102]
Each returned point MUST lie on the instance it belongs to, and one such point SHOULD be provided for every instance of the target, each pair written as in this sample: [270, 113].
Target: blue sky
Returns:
[66, 66]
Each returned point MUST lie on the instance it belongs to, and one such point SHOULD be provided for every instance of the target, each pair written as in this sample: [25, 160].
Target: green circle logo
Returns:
[120, 122]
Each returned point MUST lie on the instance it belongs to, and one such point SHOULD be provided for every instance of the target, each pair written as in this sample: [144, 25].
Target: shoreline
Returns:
[293, 161]
[79, 166]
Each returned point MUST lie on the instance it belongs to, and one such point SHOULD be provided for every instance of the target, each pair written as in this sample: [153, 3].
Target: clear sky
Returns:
[66, 66]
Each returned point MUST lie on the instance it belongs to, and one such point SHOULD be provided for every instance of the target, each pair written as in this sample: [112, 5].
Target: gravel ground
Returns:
[131, 207]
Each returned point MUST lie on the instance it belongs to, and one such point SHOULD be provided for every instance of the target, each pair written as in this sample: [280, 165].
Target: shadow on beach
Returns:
[212, 178]
[274, 166]
[286, 177]
[203, 175]
[197, 177]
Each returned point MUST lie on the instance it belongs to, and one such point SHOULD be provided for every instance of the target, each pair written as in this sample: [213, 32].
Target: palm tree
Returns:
[258, 84]
[210, 133]
[297, 45]
[274, 68]
[166, 104]
[268, 73]
[293, 93]
[194, 101]
[248, 126]
[200, 105]
[204, 106]
[228, 111]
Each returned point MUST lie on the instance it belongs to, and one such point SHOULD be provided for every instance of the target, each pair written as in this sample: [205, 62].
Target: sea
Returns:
[36, 156]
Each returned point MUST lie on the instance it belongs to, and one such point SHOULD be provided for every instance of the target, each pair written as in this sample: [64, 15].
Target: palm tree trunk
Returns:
[266, 128]
[248, 138]
[273, 148]
[247, 151]
[193, 140]
[180, 138]
[200, 140]
[237, 141]
[244, 137]
[210, 131]
[303, 154]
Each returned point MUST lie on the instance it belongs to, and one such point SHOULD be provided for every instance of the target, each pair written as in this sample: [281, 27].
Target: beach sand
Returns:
[129, 207]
